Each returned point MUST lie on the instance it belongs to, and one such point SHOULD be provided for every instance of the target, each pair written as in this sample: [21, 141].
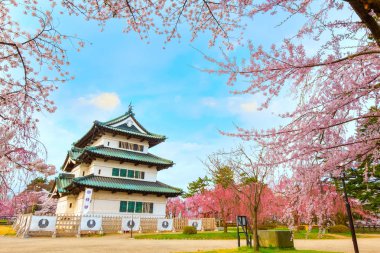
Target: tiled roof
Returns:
[122, 184]
[120, 155]
[130, 130]
[122, 129]
[62, 181]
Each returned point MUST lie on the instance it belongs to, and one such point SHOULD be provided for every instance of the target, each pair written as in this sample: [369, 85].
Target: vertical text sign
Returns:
[87, 200]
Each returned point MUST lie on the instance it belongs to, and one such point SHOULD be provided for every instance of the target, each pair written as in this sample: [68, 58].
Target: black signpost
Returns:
[242, 221]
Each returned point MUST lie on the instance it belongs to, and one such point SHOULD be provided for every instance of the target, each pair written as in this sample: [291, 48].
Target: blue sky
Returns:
[169, 94]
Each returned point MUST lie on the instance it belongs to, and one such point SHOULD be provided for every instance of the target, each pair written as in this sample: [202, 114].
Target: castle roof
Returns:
[89, 153]
[65, 183]
[118, 126]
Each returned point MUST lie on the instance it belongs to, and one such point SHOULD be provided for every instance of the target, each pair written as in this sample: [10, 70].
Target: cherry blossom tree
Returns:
[32, 60]
[335, 84]
[221, 203]
[251, 179]
[175, 207]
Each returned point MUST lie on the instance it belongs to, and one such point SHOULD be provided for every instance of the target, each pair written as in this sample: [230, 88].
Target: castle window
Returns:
[147, 207]
[99, 172]
[83, 173]
[131, 146]
[131, 173]
[131, 206]
[123, 172]
[115, 172]
[123, 206]
[139, 207]
[136, 207]
[71, 205]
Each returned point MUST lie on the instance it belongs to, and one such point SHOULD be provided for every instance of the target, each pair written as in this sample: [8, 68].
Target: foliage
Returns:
[223, 176]
[189, 230]
[32, 63]
[363, 184]
[339, 229]
[301, 228]
[197, 187]
[335, 83]
[175, 207]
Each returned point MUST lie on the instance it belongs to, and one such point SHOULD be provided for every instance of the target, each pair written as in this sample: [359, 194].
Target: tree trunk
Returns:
[255, 234]
[225, 227]
[362, 9]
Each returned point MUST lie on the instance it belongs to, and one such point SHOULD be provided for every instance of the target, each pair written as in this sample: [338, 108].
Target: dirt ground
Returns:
[121, 243]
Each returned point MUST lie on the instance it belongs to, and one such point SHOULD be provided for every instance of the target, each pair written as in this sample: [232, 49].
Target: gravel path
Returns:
[120, 243]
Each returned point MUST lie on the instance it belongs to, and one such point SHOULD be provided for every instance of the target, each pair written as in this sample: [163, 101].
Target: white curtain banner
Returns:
[91, 223]
[43, 223]
[128, 223]
[195, 223]
[165, 224]
[87, 200]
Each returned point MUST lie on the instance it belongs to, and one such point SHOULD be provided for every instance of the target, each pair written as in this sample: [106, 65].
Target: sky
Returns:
[169, 93]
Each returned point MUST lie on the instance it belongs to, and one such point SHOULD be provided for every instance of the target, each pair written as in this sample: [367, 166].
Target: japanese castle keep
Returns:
[112, 159]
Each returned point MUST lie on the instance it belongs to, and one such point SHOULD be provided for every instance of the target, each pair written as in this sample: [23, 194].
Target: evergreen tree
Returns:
[197, 187]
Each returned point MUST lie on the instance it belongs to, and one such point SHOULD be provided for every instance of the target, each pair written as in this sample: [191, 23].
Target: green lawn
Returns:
[262, 250]
[231, 234]
[199, 236]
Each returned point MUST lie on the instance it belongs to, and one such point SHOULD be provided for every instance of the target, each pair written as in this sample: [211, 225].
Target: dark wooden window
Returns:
[115, 172]
[131, 173]
[139, 208]
[147, 207]
[123, 206]
[123, 172]
[131, 206]
[131, 146]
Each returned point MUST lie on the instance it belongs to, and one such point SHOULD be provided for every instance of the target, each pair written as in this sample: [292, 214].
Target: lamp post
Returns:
[348, 207]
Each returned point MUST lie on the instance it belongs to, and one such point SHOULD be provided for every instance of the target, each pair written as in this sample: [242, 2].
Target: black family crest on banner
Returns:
[43, 223]
[165, 224]
[91, 223]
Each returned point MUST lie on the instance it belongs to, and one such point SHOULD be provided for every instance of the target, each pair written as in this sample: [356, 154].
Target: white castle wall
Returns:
[104, 202]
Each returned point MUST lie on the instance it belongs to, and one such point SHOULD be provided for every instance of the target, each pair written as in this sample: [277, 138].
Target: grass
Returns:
[199, 236]
[6, 230]
[262, 250]
[231, 235]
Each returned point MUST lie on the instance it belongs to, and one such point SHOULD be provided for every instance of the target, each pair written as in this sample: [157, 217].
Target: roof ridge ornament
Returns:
[130, 109]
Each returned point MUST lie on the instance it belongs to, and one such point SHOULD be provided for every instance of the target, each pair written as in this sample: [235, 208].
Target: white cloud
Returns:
[248, 106]
[107, 101]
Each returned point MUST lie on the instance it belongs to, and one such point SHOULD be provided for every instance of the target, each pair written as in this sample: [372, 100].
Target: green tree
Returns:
[363, 184]
[223, 176]
[197, 187]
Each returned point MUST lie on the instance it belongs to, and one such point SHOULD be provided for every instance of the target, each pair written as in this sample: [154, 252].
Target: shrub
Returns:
[266, 226]
[189, 230]
[301, 228]
[339, 229]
